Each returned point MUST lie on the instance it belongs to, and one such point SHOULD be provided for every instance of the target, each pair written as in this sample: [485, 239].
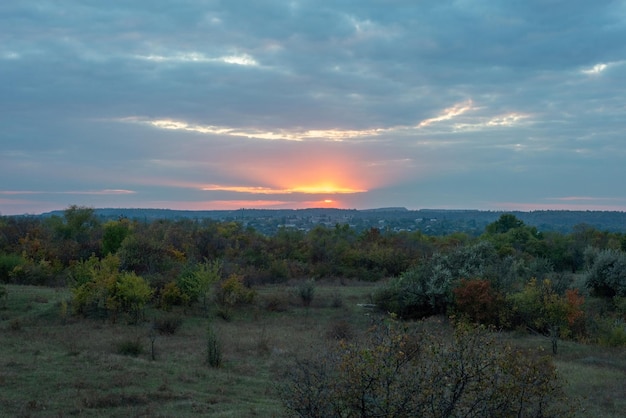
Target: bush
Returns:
[4, 296]
[232, 292]
[306, 292]
[478, 302]
[130, 348]
[213, 348]
[395, 373]
[340, 330]
[611, 332]
[167, 325]
[606, 275]
[8, 262]
[276, 303]
[171, 295]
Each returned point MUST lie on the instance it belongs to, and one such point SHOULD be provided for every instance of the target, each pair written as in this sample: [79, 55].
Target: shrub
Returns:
[132, 293]
[477, 301]
[340, 330]
[4, 295]
[167, 325]
[130, 348]
[171, 296]
[611, 332]
[213, 348]
[8, 262]
[306, 292]
[276, 303]
[606, 275]
[232, 292]
[399, 374]
[15, 324]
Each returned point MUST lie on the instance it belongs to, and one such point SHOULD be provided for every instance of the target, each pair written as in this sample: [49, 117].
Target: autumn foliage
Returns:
[398, 373]
[478, 302]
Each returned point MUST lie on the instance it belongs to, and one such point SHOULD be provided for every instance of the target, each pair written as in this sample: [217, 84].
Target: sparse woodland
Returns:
[319, 323]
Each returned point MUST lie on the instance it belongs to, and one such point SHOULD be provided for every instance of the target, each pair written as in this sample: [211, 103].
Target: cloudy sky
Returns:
[208, 104]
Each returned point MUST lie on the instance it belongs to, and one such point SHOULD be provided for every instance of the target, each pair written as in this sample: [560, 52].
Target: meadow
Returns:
[54, 364]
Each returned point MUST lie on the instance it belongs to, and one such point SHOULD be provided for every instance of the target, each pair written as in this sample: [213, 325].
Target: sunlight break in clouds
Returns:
[448, 113]
[338, 135]
[237, 59]
[596, 69]
[320, 189]
[508, 120]
[285, 135]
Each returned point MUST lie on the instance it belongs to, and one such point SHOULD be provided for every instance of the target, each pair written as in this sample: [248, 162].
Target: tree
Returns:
[505, 223]
[132, 293]
[197, 283]
[94, 285]
[478, 302]
[426, 288]
[606, 272]
[114, 233]
[100, 289]
[540, 308]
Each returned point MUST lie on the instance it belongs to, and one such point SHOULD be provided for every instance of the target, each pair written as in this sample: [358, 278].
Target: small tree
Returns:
[606, 274]
[94, 285]
[231, 293]
[540, 308]
[197, 283]
[306, 292]
[477, 301]
[132, 293]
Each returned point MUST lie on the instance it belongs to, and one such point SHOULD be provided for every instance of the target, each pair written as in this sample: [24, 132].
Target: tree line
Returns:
[512, 275]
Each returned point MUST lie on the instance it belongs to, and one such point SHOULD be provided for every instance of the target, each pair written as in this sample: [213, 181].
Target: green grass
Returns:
[55, 367]
[51, 367]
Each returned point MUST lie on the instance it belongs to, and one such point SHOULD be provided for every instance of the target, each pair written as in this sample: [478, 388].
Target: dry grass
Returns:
[55, 367]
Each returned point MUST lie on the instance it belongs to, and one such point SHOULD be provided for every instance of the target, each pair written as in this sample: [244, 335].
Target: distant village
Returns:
[428, 221]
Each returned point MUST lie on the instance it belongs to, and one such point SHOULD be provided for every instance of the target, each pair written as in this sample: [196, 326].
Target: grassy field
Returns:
[56, 365]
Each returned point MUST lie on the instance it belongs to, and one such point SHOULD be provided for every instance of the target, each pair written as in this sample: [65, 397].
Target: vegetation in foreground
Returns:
[57, 365]
[172, 318]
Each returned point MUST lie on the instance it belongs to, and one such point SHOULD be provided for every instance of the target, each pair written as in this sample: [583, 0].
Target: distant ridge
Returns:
[391, 209]
[438, 221]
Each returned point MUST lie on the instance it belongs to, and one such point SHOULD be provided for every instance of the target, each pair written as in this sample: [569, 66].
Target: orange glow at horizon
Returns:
[321, 189]
[314, 171]
[309, 171]
[295, 175]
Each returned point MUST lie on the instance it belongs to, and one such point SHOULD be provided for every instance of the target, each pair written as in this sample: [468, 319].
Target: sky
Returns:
[208, 104]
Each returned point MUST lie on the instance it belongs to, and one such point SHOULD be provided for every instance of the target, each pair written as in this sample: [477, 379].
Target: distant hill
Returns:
[432, 221]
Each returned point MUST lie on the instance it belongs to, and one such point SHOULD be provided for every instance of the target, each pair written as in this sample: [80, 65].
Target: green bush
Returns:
[606, 274]
[171, 295]
[8, 262]
[306, 292]
[232, 292]
[130, 348]
[611, 332]
[213, 348]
